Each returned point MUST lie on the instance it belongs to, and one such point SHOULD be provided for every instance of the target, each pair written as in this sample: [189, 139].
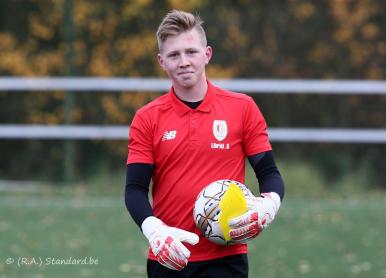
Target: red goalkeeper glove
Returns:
[166, 243]
[261, 212]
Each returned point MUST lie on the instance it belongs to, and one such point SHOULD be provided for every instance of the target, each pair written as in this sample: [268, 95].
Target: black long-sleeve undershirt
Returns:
[138, 176]
[267, 174]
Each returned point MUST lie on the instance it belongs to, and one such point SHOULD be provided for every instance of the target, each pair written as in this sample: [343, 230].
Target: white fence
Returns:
[250, 86]
[121, 133]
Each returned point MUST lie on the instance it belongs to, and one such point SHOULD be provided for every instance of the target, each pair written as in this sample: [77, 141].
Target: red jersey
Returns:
[190, 148]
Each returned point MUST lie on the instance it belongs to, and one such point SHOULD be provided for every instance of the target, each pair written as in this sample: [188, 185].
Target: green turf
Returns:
[310, 238]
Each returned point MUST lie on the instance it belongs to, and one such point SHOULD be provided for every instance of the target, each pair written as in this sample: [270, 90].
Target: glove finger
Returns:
[177, 253]
[238, 221]
[179, 249]
[163, 258]
[245, 233]
[243, 240]
[178, 260]
[184, 236]
[168, 260]
[170, 254]
[243, 220]
[157, 244]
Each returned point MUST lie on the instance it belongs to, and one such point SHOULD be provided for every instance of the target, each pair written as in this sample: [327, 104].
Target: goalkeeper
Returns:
[193, 135]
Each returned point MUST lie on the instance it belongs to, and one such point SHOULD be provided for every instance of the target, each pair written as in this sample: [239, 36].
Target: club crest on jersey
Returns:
[220, 129]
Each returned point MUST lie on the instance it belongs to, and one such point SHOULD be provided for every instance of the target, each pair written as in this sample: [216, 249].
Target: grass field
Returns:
[311, 237]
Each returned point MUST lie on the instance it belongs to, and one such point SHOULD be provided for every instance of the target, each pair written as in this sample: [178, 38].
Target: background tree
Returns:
[335, 39]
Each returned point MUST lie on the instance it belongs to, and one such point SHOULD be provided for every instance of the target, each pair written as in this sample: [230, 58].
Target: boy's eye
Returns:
[172, 55]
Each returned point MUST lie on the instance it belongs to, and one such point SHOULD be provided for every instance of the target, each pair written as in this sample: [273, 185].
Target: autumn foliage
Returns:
[303, 39]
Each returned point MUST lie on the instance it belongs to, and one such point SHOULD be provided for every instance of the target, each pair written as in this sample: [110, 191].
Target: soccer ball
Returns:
[216, 204]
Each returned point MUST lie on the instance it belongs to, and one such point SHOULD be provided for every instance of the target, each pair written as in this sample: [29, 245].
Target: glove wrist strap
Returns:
[150, 225]
[274, 198]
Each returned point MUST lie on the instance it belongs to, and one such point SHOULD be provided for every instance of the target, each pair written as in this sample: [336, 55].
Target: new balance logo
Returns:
[169, 135]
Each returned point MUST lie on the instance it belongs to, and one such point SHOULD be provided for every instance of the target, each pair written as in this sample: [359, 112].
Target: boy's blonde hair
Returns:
[176, 22]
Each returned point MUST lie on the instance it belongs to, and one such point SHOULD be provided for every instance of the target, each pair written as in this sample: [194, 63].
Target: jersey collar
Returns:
[205, 106]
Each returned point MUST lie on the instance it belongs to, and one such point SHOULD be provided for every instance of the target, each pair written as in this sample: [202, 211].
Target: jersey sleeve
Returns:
[140, 148]
[255, 135]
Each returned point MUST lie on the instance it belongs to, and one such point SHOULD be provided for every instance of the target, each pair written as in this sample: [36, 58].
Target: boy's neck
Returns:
[192, 94]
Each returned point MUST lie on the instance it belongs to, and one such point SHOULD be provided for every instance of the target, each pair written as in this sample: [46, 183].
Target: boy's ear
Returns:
[160, 61]
[208, 54]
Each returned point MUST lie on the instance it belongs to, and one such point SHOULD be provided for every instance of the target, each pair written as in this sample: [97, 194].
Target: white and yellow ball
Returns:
[216, 204]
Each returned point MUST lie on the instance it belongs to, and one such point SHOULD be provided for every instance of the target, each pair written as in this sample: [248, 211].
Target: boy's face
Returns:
[184, 58]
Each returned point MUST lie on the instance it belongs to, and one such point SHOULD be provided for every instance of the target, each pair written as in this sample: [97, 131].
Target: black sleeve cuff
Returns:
[267, 173]
[138, 176]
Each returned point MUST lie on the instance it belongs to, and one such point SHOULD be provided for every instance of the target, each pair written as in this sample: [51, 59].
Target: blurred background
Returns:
[64, 198]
